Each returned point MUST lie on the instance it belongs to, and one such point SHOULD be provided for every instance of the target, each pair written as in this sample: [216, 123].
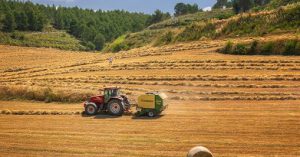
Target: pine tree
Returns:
[180, 9]
[9, 24]
[157, 17]
[242, 5]
[221, 4]
[21, 21]
[99, 41]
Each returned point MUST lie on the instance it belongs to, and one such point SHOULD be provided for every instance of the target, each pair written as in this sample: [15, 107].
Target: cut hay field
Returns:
[235, 105]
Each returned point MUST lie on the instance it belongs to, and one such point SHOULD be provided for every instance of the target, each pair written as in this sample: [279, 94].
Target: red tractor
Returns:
[111, 101]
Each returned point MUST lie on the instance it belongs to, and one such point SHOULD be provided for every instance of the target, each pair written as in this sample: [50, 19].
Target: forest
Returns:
[93, 28]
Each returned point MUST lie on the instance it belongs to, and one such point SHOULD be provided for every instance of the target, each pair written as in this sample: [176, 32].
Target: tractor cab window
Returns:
[111, 93]
[115, 92]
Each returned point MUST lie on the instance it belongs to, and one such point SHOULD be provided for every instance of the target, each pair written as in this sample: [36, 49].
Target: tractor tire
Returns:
[151, 113]
[115, 108]
[90, 110]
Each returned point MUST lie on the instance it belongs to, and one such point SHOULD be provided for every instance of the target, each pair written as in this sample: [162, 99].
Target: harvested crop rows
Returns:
[235, 105]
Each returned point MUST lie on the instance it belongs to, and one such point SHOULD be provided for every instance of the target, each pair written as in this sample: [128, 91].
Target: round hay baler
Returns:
[151, 104]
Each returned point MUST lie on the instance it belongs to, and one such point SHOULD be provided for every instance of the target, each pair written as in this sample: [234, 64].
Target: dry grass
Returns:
[220, 126]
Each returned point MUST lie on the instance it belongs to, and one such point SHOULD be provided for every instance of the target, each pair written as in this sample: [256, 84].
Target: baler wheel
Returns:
[151, 113]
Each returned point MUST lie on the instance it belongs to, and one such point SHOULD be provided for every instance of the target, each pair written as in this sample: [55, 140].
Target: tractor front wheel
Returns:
[90, 109]
[115, 108]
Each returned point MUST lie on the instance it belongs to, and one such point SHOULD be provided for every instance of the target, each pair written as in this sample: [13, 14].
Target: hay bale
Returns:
[199, 151]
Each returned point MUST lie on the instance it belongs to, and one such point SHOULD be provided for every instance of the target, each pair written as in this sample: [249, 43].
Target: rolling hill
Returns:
[216, 24]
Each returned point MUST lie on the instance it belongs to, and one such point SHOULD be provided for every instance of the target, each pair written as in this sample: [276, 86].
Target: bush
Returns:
[168, 37]
[89, 45]
[119, 47]
[240, 49]
[298, 49]
[290, 47]
[280, 47]
[224, 16]
[228, 48]
[17, 36]
[267, 48]
[196, 31]
[165, 39]
[253, 48]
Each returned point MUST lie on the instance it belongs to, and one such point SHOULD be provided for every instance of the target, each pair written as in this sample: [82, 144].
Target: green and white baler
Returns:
[151, 104]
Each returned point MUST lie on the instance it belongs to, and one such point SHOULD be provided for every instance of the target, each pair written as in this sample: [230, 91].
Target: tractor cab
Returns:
[111, 93]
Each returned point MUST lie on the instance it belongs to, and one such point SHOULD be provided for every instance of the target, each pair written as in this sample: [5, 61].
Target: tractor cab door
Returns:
[107, 95]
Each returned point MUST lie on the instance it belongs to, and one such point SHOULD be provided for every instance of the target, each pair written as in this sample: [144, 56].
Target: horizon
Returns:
[145, 6]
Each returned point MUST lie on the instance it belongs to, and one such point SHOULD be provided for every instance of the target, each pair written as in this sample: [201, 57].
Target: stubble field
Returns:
[234, 105]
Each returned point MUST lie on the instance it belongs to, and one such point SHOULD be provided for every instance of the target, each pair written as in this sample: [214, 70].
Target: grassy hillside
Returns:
[134, 40]
[185, 20]
[163, 32]
[51, 38]
[215, 24]
[278, 3]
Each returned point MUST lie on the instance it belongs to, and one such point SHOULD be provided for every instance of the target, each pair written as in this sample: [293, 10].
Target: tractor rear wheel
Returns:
[115, 108]
[90, 109]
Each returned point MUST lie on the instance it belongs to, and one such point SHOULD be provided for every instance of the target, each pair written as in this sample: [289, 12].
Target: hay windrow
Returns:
[255, 98]
[15, 112]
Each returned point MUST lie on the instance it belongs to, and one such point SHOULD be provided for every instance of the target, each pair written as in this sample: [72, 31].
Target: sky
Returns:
[145, 6]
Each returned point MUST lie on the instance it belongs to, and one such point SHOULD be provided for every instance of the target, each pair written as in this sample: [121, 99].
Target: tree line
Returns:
[240, 5]
[180, 9]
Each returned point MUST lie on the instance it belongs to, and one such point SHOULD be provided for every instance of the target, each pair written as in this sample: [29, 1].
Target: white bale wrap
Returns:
[199, 151]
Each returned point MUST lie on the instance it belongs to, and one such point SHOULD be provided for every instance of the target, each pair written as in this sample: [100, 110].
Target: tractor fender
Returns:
[91, 103]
